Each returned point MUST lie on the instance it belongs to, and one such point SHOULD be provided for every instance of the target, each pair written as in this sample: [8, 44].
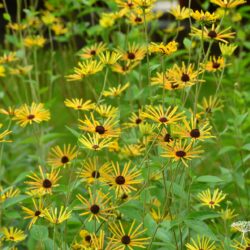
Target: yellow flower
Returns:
[13, 234]
[227, 214]
[161, 115]
[44, 183]
[97, 206]
[211, 104]
[59, 29]
[109, 58]
[93, 50]
[134, 120]
[34, 41]
[29, 114]
[79, 104]
[48, 18]
[135, 19]
[201, 243]
[244, 244]
[116, 91]
[92, 171]
[94, 142]
[228, 4]
[214, 64]
[124, 68]
[211, 200]
[10, 111]
[204, 17]
[161, 48]
[7, 193]
[57, 216]
[21, 70]
[127, 4]
[2, 71]
[180, 13]
[144, 3]
[129, 238]
[86, 238]
[134, 52]
[107, 20]
[106, 128]
[88, 67]
[35, 213]
[106, 110]
[59, 157]
[7, 58]
[227, 49]
[131, 150]
[123, 179]
[213, 33]
[194, 130]
[182, 151]
[17, 26]
[4, 134]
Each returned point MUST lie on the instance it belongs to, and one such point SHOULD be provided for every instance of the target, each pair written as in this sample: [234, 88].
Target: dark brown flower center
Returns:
[79, 106]
[95, 174]
[93, 52]
[124, 196]
[163, 119]
[88, 238]
[131, 55]
[211, 202]
[95, 147]
[180, 153]
[174, 85]
[216, 65]
[185, 77]
[95, 209]
[138, 121]
[12, 238]
[208, 110]
[195, 133]
[31, 117]
[47, 183]
[64, 159]
[125, 239]
[247, 248]
[100, 129]
[37, 213]
[212, 34]
[167, 138]
[120, 180]
[138, 19]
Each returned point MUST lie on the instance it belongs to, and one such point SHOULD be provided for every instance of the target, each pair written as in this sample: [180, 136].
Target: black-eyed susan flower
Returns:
[2, 71]
[86, 238]
[204, 17]
[214, 64]
[57, 216]
[161, 115]
[107, 128]
[144, 4]
[203, 243]
[35, 213]
[134, 52]
[107, 20]
[17, 26]
[8, 57]
[93, 50]
[95, 142]
[124, 68]
[244, 244]
[61, 156]
[88, 67]
[134, 120]
[211, 104]
[180, 13]
[97, 207]
[59, 29]
[13, 234]
[212, 33]
[227, 49]
[131, 150]
[116, 91]
[4, 134]
[48, 18]
[164, 49]
[92, 171]
[34, 41]
[228, 4]
[227, 214]
[211, 200]
[106, 110]
[9, 111]
[109, 57]
[130, 238]
[124, 178]
[182, 151]
[194, 130]
[7, 193]
[165, 137]
[127, 4]
[135, 19]
[185, 75]
[158, 214]
[44, 183]
[79, 104]
[25, 114]
[21, 70]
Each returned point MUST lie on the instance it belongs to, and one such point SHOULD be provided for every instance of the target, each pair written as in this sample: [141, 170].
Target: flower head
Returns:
[56, 216]
[13, 234]
[203, 243]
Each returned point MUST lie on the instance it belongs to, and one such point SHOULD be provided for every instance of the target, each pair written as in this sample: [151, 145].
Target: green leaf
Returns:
[13, 201]
[6, 17]
[187, 43]
[246, 147]
[39, 232]
[208, 178]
